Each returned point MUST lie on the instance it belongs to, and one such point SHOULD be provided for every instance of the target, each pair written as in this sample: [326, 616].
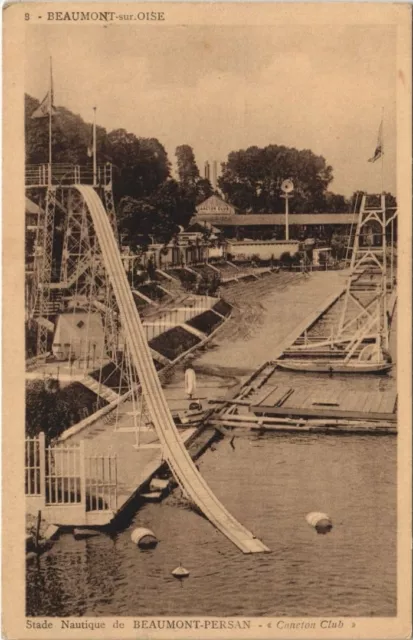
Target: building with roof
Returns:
[79, 335]
[214, 206]
[223, 216]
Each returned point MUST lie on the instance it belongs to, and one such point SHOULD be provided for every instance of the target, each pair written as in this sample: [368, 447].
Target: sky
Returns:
[224, 88]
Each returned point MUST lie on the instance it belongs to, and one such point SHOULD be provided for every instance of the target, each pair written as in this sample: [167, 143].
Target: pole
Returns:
[382, 150]
[382, 155]
[50, 150]
[50, 122]
[94, 148]
[384, 281]
[287, 233]
[39, 520]
[392, 252]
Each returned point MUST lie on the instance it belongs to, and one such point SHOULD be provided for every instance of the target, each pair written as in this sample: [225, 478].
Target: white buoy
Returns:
[180, 572]
[144, 538]
[320, 521]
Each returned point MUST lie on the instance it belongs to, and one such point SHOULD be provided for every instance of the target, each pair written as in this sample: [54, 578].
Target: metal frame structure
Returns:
[82, 278]
[364, 313]
[43, 268]
[82, 283]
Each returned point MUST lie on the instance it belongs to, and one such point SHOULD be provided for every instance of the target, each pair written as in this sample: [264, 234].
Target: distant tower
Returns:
[207, 170]
[214, 175]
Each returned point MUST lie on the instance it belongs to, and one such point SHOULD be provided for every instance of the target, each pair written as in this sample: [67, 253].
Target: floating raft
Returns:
[366, 406]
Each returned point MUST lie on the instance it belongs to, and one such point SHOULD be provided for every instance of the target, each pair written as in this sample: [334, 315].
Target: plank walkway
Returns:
[327, 403]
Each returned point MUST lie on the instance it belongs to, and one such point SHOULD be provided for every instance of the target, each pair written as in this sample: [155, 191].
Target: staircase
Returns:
[100, 390]
[53, 305]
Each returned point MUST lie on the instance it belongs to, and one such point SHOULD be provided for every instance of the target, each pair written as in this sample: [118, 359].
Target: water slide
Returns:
[174, 451]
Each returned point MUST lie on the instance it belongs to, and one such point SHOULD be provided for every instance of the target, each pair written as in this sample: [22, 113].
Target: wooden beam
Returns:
[319, 413]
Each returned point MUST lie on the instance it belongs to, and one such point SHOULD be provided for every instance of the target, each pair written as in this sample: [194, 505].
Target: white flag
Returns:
[379, 146]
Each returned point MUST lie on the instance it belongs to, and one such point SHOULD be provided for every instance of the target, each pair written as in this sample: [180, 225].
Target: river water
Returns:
[269, 483]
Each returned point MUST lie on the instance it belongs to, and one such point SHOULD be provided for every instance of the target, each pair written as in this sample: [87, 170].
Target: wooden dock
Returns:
[328, 405]
[284, 401]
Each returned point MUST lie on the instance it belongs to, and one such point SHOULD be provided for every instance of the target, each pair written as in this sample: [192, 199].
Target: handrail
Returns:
[62, 174]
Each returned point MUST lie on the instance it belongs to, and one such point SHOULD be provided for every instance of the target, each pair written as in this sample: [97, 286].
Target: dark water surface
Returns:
[269, 484]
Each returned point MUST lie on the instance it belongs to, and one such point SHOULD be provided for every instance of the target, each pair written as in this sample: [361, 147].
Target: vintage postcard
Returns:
[207, 235]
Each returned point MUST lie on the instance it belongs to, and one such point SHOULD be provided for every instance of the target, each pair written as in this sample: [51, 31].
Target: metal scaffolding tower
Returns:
[76, 276]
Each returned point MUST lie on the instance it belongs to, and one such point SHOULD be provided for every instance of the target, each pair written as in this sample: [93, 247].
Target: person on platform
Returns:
[190, 382]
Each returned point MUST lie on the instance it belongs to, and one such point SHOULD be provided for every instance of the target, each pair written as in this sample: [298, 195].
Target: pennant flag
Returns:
[379, 146]
[90, 145]
[46, 107]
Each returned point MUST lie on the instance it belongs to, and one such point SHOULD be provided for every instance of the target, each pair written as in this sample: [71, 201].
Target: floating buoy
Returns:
[144, 538]
[320, 521]
[180, 572]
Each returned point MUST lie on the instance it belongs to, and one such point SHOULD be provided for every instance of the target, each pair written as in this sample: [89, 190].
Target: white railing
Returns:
[101, 482]
[34, 466]
[63, 476]
[67, 174]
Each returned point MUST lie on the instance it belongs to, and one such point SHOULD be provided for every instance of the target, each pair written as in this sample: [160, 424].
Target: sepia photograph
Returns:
[215, 236]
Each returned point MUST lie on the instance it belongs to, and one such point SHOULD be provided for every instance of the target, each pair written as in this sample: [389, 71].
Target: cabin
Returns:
[79, 335]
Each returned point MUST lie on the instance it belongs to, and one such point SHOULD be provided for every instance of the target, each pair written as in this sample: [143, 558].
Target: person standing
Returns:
[190, 382]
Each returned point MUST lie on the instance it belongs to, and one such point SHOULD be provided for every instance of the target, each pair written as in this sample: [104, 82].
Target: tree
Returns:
[204, 190]
[140, 164]
[251, 179]
[173, 203]
[46, 410]
[336, 203]
[149, 203]
[157, 216]
[136, 221]
[391, 202]
[193, 188]
[70, 137]
[188, 171]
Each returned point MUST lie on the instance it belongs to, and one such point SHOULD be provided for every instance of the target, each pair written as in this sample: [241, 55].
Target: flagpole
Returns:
[94, 148]
[382, 150]
[50, 122]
